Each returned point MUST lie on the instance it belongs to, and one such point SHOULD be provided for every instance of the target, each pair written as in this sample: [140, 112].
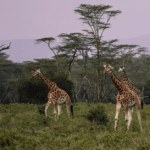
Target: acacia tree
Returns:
[58, 50]
[74, 45]
[127, 51]
[7, 77]
[97, 18]
[70, 46]
[4, 47]
[49, 41]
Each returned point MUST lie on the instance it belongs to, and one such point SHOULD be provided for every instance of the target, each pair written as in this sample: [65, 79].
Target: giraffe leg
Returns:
[132, 109]
[46, 107]
[129, 117]
[139, 118]
[68, 109]
[118, 107]
[126, 115]
[59, 110]
[55, 111]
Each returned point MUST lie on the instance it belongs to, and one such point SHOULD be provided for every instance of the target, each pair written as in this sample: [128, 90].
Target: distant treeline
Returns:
[77, 63]
[18, 85]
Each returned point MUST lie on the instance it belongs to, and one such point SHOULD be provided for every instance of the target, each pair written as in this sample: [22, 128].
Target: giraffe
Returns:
[56, 95]
[128, 82]
[125, 97]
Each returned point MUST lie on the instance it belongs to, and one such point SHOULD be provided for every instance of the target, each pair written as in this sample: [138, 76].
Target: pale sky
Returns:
[32, 19]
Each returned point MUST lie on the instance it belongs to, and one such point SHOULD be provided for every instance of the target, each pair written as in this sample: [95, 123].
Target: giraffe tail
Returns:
[142, 103]
[71, 110]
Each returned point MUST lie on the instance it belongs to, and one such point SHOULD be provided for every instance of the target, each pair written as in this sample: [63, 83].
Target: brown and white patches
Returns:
[56, 95]
[125, 97]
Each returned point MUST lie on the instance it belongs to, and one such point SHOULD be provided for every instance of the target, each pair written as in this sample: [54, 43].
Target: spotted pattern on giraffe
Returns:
[125, 97]
[56, 95]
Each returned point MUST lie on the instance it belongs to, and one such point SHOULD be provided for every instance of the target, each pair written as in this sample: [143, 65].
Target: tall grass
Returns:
[24, 127]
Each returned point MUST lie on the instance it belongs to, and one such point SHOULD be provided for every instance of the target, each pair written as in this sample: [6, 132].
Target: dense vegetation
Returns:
[24, 127]
[76, 65]
[17, 84]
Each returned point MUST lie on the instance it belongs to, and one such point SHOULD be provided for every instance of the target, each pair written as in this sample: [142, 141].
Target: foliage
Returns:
[17, 85]
[77, 56]
[35, 91]
[65, 84]
[98, 115]
[41, 109]
[32, 91]
[97, 18]
[22, 127]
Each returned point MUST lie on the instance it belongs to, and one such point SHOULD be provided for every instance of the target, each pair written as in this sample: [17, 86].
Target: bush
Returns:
[41, 109]
[98, 115]
[32, 91]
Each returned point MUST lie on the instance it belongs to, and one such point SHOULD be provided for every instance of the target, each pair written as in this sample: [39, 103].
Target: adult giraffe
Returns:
[128, 82]
[125, 97]
[56, 95]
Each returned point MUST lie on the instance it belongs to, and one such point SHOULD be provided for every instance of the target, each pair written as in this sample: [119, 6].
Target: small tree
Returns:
[3, 47]
[49, 41]
[97, 18]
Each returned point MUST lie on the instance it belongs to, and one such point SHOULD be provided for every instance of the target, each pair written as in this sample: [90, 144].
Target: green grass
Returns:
[23, 127]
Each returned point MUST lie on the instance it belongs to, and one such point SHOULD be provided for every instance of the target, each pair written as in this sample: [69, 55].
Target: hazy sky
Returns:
[32, 19]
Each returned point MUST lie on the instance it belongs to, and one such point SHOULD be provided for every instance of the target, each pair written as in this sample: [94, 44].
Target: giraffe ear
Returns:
[105, 65]
[111, 67]
[121, 69]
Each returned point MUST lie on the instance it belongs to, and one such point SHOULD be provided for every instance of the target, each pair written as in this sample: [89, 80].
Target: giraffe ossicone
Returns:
[121, 69]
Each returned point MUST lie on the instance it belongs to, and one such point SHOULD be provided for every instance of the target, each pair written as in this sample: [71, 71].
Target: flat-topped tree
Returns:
[49, 41]
[4, 56]
[97, 18]
[127, 51]
[4, 47]
[72, 44]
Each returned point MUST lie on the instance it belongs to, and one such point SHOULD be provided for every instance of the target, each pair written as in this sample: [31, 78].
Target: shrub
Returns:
[32, 91]
[98, 115]
[41, 109]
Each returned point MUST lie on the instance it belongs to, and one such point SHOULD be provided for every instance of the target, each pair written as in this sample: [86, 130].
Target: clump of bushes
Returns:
[98, 115]
[41, 109]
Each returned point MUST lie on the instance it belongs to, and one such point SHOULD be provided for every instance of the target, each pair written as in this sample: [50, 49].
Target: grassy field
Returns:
[24, 127]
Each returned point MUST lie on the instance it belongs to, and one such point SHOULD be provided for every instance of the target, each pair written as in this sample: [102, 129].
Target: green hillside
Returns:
[24, 127]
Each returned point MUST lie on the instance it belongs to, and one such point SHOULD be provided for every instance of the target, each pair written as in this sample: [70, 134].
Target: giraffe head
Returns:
[121, 69]
[107, 68]
[36, 71]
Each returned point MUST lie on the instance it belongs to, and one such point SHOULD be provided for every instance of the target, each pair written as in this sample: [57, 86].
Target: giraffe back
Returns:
[59, 96]
[129, 98]
[128, 82]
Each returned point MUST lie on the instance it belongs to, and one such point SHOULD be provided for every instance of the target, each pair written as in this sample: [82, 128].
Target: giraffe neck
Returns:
[50, 84]
[126, 79]
[116, 82]
[129, 83]
[125, 76]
